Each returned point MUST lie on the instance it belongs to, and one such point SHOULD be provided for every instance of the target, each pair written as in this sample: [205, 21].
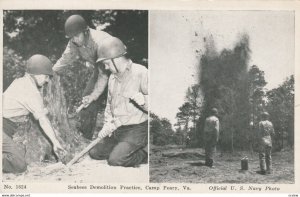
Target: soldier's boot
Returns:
[146, 159]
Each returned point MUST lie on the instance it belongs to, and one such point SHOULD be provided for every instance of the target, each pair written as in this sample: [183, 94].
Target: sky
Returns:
[176, 35]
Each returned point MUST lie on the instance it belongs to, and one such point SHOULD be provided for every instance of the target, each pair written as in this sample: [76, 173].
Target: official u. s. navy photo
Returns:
[75, 100]
[222, 97]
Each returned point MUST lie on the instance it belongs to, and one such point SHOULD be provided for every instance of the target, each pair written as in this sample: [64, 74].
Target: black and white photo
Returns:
[222, 96]
[75, 95]
[149, 97]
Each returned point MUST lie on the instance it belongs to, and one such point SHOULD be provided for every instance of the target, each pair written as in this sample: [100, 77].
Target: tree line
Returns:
[238, 91]
[27, 32]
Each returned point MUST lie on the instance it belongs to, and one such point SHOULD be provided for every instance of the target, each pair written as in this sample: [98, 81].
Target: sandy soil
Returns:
[86, 170]
[179, 165]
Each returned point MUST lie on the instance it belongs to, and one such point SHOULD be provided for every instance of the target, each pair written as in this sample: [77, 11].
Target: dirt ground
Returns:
[174, 164]
[85, 171]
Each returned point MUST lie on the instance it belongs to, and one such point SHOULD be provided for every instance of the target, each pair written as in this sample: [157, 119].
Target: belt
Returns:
[132, 125]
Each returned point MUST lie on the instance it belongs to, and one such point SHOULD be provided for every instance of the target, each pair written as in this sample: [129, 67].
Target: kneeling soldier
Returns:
[125, 129]
[20, 99]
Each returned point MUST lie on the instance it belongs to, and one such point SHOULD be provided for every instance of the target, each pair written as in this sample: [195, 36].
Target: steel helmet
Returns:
[265, 115]
[39, 64]
[214, 111]
[111, 48]
[74, 25]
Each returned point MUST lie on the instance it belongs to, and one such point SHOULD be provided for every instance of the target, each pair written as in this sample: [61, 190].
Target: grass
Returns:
[165, 166]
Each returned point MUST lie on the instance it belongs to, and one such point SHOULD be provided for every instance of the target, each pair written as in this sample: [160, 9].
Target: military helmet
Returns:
[265, 115]
[74, 25]
[111, 48]
[214, 111]
[39, 64]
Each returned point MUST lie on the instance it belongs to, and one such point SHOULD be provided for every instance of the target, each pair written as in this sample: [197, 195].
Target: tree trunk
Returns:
[38, 147]
[282, 139]
[251, 142]
[232, 148]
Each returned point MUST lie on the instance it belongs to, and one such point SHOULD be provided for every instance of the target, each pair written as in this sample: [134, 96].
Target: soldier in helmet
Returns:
[265, 134]
[83, 44]
[211, 136]
[20, 99]
[125, 129]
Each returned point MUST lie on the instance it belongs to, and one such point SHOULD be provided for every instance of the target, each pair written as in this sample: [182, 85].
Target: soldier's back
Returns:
[210, 124]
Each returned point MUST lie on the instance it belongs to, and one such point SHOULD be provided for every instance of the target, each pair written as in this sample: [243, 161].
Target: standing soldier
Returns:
[125, 129]
[211, 136]
[83, 44]
[265, 134]
[20, 99]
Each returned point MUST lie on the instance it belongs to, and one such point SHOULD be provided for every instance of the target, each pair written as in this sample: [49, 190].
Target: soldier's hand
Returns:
[138, 99]
[59, 150]
[89, 65]
[86, 101]
[107, 130]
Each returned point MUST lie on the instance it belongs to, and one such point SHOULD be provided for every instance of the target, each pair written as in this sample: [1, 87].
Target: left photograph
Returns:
[75, 96]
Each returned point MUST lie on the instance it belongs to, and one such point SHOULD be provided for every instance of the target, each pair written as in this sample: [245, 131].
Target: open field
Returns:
[179, 165]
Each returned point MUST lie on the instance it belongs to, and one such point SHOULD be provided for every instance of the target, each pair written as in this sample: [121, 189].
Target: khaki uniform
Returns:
[20, 99]
[265, 130]
[211, 137]
[126, 145]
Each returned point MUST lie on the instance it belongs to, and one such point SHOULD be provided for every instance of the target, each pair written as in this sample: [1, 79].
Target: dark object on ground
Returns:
[201, 163]
[184, 155]
[261, 172]
[244, 163]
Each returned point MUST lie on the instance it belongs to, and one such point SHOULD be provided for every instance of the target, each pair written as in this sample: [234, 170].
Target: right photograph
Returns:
[222, 96]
